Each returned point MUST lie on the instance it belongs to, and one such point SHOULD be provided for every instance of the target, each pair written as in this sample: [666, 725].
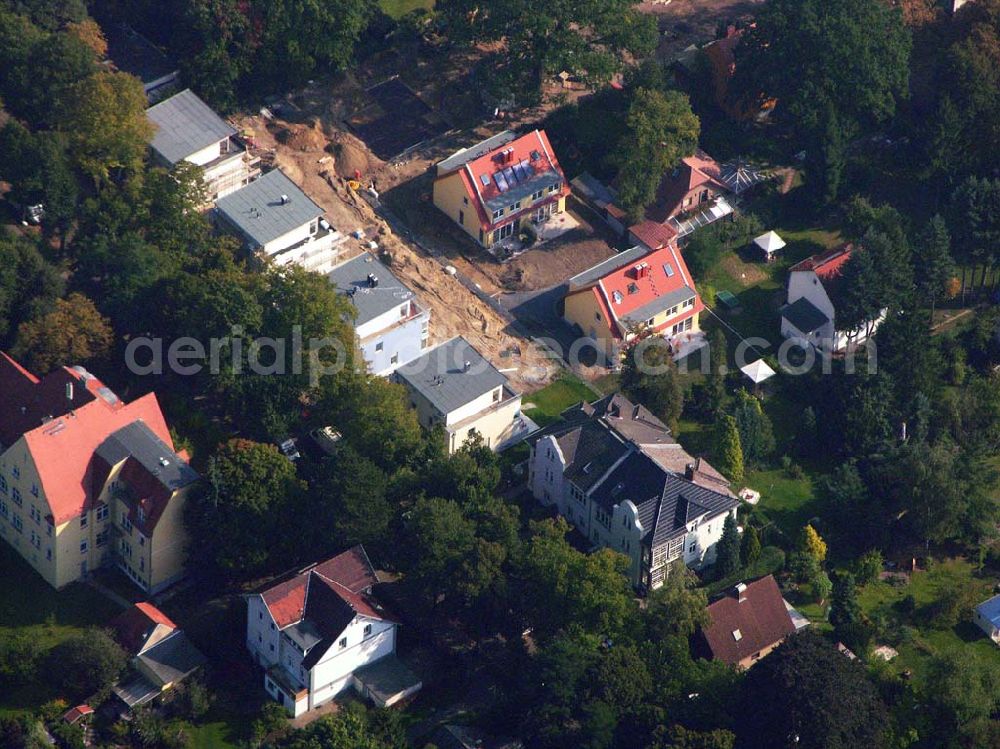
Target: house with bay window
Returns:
[497, 186]
[88, 481]
[614, 472]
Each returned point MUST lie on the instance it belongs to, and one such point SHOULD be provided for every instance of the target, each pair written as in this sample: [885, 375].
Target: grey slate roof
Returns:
[460, 158]
[804, 315]
[661, 303]
[258, 213]
[351, 278]
[185, 125]
[172, 658]
[603, 268]
[138, 441]
[441, 377]
[595, 449]
[666, 502]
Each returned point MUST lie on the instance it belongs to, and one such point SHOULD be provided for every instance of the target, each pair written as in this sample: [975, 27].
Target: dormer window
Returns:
[633, 289]
[342, 643]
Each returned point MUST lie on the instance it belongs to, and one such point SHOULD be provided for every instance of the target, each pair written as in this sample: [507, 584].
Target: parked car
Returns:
[327, 438]
[289, 448]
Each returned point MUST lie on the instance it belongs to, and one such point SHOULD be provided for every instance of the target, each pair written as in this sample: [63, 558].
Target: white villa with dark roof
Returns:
[392, 326]
[453, 386]
[318, 633]
[187, 129]
[614, 472]
[279, 222]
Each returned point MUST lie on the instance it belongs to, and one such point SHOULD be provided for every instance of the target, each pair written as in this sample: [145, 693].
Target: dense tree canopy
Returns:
[814, 55]
[588, 39]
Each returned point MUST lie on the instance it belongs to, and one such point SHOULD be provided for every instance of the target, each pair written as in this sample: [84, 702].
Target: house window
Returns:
[3, 509]
[498, 213]
[126, 523]
[260, 615]
[691, 548]
[83, 520]
[649, 321]
[142, 540]
[514, 206]
[16, 495]
[465, 199]
[3, 485]
[553, 187]
[461, 217]
[48, 555]
[102, 512]
[496, 395]
[342, 643]
[48, 527]
[272, 626]
[633, 289]
[260, 638]
[368, 629]
[537, 195]
[83, 547]
[34, 490]
[272, 647]
[18, 524]
[16, 470]
[597, 315]
[142, 516]
[378, 346]
[394, 359]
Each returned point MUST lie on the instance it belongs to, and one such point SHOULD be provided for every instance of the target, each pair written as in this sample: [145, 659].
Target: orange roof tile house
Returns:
[639, 287]
[494, 188]
[87, 480]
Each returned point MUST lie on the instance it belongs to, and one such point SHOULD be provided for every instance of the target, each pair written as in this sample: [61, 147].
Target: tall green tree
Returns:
[678, 607]
[728, 449]
[231, 516]
[660, 130]
[751, 547]
[73, 332]
[89, 662]
[649, 376]
[851, 56]
[756, 432]
[806, 689]
[934, 266]
[727, 560]
[586, 39]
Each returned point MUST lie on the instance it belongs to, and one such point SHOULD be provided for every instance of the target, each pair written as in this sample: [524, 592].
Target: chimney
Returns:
[285, 200]
[466, 367]
[741, 592]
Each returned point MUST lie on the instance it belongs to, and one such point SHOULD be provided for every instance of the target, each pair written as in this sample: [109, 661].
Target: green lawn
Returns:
[28, 606]
[546, 404]
[787, 502]
[399, 8]
[923, 641]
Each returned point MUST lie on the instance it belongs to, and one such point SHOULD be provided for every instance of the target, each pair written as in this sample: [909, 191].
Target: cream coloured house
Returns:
[87, 480]
[453, 386]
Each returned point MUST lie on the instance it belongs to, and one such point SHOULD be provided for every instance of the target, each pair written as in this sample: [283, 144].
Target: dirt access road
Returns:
[301, 151]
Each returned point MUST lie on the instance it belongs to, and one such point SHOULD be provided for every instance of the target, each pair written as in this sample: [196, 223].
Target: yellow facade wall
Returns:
[451, 198]
[168, 547]
[582, 309]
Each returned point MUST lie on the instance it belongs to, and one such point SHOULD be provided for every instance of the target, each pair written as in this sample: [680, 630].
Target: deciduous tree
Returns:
[73, 332]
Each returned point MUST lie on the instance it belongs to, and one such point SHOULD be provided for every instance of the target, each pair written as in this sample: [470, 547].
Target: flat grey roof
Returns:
[604, 267]
[257, 211]
[483, 147]
[661, 303]
[441, 377]
[185, 125]
[351, 278]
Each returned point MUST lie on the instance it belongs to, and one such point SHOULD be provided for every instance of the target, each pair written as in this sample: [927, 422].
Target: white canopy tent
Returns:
[770, 243]
[757, 371]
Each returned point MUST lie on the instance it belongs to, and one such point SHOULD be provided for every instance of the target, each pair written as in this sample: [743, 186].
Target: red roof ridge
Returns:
[819, 262]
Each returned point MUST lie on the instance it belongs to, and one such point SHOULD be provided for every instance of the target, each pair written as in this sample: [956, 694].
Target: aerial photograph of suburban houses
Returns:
[500, 374]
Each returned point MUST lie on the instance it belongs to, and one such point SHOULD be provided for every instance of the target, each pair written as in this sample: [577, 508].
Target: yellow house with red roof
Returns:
[495, 187]
[87, 480]
[641, 287]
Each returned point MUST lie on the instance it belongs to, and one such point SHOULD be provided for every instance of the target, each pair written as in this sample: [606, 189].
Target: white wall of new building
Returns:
[334, 672]
[207, 154]
[806, 283]
[263, 635]
[474, 406]
[286, 240]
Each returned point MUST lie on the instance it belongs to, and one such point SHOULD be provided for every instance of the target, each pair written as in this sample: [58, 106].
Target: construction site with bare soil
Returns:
[334, 167]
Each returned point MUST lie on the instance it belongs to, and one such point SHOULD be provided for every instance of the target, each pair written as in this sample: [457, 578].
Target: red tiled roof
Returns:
[63, 447]
[693, 172]
[134, 625]
[653, 234]
[826, 264]
[74, 714]
[761, 620]
[349, 574]
[487, 165]
[646, 289]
